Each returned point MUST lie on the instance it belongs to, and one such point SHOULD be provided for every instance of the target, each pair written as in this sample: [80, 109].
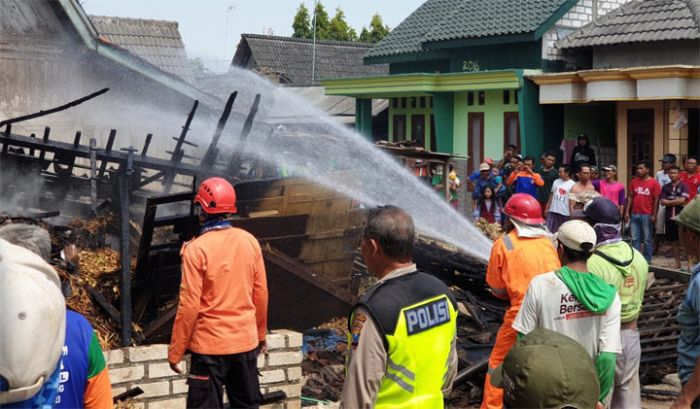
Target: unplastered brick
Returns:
[179, 386]
[155, 389]
[147, 353]
[114, 356]
[162, 369]
[294, 373]
[274, 376]
[275, 341]
[294, 339]
[284, 358]
[127, 374]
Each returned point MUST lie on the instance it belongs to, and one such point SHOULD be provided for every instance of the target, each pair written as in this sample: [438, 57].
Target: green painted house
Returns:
[457, 76]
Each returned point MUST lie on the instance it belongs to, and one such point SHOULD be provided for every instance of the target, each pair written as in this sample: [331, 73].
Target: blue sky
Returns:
[203, 23]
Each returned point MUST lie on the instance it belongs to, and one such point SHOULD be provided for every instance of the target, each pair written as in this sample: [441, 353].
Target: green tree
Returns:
[302, 23]
[377, 30]
[197, 67]
[339, 29]
[322, 22]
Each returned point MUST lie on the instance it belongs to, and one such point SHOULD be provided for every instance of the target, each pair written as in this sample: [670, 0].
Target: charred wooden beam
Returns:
[53, 110]
[212, 151]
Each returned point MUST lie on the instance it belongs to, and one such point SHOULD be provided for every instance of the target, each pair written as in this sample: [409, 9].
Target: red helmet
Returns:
[216, 195]
[524, 208]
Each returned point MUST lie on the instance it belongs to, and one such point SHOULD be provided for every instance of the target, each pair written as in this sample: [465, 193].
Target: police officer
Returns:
[402, 331]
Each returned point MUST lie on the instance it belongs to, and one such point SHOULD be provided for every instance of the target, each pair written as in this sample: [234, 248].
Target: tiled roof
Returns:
[156, 41]
[640, 21]
[441, 20]
[291, 58]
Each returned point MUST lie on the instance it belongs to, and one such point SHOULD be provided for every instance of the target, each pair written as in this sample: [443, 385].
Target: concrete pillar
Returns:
[363, 116]
[444, 109]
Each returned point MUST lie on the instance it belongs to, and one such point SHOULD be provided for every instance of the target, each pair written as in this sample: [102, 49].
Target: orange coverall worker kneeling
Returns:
[222, 315]
[525, 251]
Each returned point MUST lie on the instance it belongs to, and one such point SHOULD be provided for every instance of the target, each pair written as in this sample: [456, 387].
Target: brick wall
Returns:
[147, 367]
[579, 15]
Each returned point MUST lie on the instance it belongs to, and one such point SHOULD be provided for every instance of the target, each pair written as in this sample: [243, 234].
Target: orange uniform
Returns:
[513, 263]
[223, 295]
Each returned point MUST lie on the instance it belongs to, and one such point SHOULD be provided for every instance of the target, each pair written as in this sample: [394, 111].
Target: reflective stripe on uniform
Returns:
[402, 369]
[397, 380]
[508, 243]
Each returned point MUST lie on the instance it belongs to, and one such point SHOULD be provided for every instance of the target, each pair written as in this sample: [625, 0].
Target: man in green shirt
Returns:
[617, 263]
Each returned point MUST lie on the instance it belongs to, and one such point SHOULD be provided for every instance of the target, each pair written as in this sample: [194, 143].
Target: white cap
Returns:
[484, 166]
[574, 233]
[33, 319]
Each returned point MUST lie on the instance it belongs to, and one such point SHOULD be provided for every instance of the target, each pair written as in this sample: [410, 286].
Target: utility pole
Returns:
[228, 12]
[313, 49]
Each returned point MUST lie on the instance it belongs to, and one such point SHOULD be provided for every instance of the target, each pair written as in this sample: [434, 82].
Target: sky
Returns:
[206, 34]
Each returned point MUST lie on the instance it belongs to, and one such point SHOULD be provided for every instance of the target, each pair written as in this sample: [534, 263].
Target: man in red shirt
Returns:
[222, 314]
[642, 204]
[691, 176]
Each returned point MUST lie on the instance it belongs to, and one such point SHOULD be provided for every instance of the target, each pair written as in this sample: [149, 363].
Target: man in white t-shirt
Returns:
[558, 204]
[576, 303]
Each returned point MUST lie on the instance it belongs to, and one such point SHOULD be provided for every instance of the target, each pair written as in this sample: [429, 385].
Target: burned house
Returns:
[51, 52]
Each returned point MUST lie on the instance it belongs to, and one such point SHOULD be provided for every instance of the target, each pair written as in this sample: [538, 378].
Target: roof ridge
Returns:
[136, 20]
[356, 44]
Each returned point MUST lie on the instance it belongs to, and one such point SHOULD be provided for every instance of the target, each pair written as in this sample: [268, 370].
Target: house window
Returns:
[418, 129]
[506, 97]
[403, 102]
[394, 102]
[470, 98]
[482, 97]
[414, 102]
[515, 97]
[421, 102]
[433, 137]
[399, 133]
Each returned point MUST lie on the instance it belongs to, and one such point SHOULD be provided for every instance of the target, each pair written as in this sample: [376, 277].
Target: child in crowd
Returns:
[558, 204]
[487, 206]
[499, 187]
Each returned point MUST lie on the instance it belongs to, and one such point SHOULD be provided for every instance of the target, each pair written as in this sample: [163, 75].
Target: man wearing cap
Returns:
[402, 335]
[33, 315]
[478, 181]
[84, 378]
[689, 311]
[546, 369]
[620, 265]
[525, 251]
[610, 188]
[576, 303]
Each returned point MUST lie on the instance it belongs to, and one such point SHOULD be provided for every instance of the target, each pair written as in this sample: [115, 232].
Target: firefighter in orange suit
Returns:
[222, 314]
[525, 251]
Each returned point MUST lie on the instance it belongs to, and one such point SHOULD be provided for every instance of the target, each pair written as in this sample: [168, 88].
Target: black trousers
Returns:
[209, 373]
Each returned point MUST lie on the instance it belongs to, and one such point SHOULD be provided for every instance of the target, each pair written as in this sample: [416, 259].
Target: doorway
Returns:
[475, 140]
[640, 137]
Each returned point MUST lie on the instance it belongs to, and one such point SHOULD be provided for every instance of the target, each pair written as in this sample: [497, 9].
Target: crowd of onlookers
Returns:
[647, 204]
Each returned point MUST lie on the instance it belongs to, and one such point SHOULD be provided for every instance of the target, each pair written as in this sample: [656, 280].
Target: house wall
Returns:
[426, 112]
[581, 14]
[493, 110]
[646, 54]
